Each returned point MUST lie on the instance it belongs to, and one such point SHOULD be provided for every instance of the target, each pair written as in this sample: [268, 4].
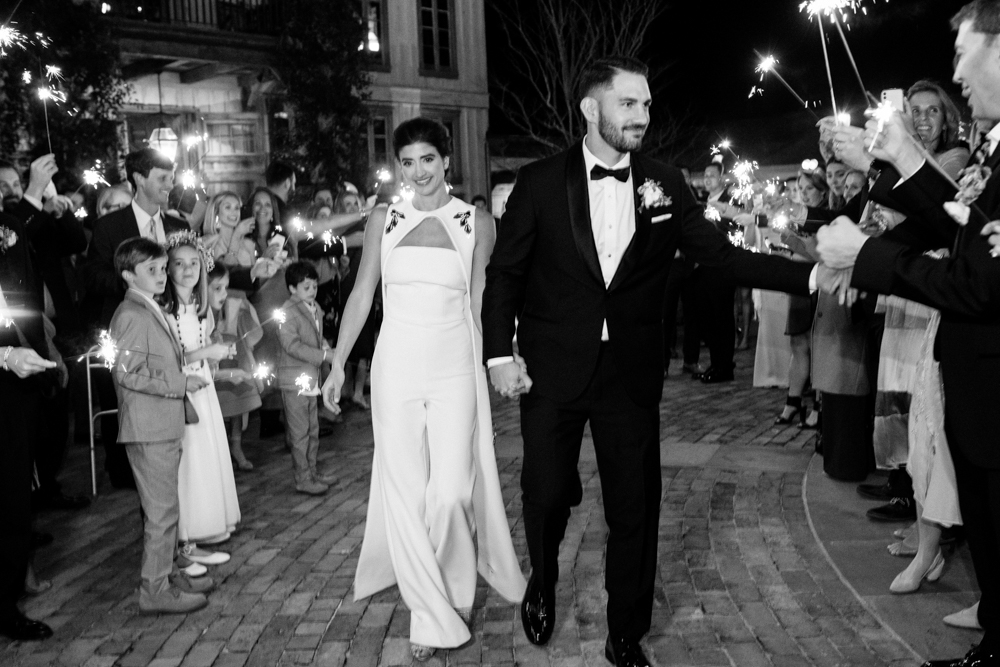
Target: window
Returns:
[437, 38]
[375, 40]
[231, 139]
[379, 151]
[450, 119]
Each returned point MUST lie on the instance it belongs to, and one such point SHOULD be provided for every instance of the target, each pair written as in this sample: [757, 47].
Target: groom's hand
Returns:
[510, 379]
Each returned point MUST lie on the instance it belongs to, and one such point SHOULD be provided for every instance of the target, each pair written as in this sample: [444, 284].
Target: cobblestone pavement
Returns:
[741, 580]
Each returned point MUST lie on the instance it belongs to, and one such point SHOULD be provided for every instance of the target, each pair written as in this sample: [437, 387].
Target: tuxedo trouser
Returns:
[718, 294]
[155, 466]
[848, 424]
[19, 416]
[979, 500]
[681, 287]
[626, 441]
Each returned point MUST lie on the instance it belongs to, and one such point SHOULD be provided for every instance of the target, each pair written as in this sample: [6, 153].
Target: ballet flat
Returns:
[902, 584]
[421, 653]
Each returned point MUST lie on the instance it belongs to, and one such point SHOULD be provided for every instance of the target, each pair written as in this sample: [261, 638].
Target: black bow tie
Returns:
[599, 172]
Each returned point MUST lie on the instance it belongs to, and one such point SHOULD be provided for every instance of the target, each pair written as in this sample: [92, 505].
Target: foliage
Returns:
[326, 84]
[549, 42]
[84, 128]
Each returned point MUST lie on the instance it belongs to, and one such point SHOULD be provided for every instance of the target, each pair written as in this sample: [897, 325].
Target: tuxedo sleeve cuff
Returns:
[34, 202]
[496, 361]
[875, 266]
[812, 278]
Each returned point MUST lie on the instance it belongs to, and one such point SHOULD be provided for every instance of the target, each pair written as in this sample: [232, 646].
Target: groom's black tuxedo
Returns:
[545, 270]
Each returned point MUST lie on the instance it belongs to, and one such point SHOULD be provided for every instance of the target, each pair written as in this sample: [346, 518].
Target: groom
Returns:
[582, 259]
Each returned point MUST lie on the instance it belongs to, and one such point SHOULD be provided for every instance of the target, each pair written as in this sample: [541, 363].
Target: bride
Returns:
[435, 513]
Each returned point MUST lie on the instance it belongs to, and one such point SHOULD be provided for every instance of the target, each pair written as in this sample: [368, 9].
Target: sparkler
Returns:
[882, 113]
[277, 316]
[188, 179]
[93, 176]
[10, 38]
[406, 192]
[80, 213]
[767, 66]
[304, 383]
[263, 373]
[108, 349]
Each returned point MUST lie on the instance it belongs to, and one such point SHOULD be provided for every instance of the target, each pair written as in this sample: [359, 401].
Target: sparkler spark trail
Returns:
[53, 73]
[188, 179]
[278, 316]
[304, 383]
[767, 65]
[263, 372]
[108, 350]
[881, 113]
[9, 38]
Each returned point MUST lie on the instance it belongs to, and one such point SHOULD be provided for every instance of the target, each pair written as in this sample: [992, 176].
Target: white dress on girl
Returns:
[206, 487]
[435, 511]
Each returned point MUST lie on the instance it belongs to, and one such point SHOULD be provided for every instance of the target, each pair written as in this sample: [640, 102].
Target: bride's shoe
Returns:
[421, 653]
[907, 583]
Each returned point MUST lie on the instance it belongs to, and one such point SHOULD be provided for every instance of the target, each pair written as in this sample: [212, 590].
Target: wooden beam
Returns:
[143, 67]
[202, 73]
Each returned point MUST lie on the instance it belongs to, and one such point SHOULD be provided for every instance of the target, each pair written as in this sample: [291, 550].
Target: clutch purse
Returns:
[190, 414]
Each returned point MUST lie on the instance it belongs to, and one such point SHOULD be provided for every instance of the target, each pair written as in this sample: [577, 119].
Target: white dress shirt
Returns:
[144, 219]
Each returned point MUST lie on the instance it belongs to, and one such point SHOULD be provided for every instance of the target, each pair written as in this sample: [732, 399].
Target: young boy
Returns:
[151, 391]
[303, 352]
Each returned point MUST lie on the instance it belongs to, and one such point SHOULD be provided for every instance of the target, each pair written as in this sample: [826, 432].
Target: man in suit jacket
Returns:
[152, 176]
[965, 288]
[581, 259]
[24, 355]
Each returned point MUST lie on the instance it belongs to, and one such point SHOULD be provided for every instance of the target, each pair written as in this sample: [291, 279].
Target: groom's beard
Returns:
[615, 136]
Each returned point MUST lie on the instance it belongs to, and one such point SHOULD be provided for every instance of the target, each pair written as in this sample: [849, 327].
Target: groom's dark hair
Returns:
[598, 74]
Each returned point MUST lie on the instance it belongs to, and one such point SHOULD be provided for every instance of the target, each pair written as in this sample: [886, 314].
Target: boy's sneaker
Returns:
[189, 585]
[192, 552]
[328, 479]
[311, 488]
[172, 601]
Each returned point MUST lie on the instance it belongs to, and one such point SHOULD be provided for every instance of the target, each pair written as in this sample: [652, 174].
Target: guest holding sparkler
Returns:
[21, 386]
[303, 353]
[236, 323]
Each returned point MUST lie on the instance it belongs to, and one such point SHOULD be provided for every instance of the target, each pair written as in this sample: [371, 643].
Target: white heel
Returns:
[907, 583]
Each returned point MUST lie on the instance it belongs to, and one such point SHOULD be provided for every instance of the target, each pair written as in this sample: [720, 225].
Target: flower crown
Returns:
[191, 238]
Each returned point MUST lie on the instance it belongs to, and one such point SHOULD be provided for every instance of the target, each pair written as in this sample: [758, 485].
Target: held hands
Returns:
[331, 388]
[839, 243]
[849, 145]
[838, 282]
[195, 383]
[24, 361]
[511, 379]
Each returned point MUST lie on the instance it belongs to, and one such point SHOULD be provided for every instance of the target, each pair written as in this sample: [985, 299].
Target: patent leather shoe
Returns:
[538, 613]
[21, 628]
[625, 653]
[976, 657]
[715, 375]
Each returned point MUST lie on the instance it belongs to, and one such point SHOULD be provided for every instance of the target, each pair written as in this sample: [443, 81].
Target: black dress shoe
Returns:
[883, 492]
[976, 657]
[60, 501]
[715, 375]
[898, 509]
[625, 653]
[21, 628]
[538, 613]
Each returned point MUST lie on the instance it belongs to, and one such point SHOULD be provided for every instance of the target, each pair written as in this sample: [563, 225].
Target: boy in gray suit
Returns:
[303, 352]
[151, 389]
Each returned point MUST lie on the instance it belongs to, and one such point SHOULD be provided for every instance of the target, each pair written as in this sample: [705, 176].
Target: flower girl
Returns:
[209, 509]
[236, 324]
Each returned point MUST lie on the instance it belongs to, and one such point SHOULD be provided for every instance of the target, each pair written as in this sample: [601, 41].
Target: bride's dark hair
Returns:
[601, 72]
[422, 130]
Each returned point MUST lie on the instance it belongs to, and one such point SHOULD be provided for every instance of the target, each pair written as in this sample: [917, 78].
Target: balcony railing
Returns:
[262, 17]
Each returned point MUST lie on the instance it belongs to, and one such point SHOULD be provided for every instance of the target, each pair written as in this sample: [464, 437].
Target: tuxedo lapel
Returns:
[307, 316]
[579, 210]
[642, 223]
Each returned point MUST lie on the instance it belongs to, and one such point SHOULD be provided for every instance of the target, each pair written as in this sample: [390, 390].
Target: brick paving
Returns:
[741, 579]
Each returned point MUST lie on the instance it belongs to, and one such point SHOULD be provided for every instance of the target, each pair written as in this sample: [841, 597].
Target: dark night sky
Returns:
[711, 47]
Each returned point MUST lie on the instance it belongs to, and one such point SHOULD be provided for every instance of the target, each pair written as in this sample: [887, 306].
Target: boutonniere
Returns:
[463, 221]
[651, 193]
[394, 218]
[8, 237]
[971, 183]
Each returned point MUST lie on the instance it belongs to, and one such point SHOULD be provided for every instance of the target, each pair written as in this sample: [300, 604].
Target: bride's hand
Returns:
[331, 388]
